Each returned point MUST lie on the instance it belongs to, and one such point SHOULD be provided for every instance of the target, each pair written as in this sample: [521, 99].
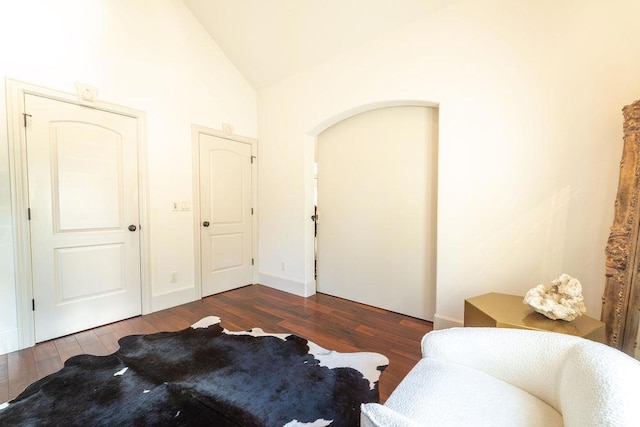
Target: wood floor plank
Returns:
[110, 342]
[102, 330]
[46, 359]
[4, 378]
[123, 328]
[21, 371]
[86, 338]
[90, 343]
[48, 366]
[141, 326]
[46, 350]
[330, 322]
[95, 347]
[67, 347]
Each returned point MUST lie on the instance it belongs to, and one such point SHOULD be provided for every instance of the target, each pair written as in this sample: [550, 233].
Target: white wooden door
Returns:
[377, 209]
[83, 198]
[225, 212]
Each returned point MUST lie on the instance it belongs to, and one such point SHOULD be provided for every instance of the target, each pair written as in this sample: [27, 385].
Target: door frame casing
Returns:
[196, 130]
[18, 175]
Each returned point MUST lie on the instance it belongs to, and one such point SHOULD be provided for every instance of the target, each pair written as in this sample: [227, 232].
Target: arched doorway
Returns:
[377, 188]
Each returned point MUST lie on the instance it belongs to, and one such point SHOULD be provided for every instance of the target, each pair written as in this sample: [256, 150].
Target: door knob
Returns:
[132, 227]
[205, 224]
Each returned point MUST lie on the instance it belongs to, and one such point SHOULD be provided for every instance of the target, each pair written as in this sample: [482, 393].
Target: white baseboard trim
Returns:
[288, 285]
[9, 341]
[172, 298]
[444, 322]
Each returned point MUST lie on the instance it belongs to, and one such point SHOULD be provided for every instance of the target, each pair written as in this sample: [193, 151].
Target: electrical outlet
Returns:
[173, 277]
[283, 266]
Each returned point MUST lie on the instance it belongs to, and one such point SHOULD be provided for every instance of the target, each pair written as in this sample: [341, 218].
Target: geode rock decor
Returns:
[561, 299]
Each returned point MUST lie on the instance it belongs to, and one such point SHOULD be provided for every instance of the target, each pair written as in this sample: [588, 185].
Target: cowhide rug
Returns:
[204, 375]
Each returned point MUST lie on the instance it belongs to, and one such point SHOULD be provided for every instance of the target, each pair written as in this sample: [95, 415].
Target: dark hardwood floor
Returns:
[328, 321]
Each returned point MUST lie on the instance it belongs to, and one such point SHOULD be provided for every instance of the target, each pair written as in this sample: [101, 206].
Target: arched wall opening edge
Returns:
[310, 139]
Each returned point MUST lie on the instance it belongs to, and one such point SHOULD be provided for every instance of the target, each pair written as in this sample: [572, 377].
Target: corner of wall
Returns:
[443, 322]
[288, 285]
[172, 298]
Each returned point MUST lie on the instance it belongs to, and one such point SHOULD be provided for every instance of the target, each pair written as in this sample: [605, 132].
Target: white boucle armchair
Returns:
[513, 377]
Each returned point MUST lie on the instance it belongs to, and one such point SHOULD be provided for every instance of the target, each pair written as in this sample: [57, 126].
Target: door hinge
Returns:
[251, 211]
[33, 305]
[252, 261]
[24, 116]
[29, 214]
[252, 157]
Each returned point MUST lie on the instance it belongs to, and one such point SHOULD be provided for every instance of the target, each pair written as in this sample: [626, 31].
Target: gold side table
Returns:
[508, 311]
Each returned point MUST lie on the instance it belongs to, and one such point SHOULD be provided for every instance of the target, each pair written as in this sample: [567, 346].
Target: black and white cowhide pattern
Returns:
[204, 375]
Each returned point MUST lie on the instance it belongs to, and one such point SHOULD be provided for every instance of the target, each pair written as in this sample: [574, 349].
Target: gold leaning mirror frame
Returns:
[621, 299]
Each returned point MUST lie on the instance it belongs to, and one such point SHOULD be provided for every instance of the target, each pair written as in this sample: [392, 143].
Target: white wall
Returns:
[151, 55]
[529, 94]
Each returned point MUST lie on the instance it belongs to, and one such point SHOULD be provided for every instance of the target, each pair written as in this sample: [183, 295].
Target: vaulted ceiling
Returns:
[268, 40]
